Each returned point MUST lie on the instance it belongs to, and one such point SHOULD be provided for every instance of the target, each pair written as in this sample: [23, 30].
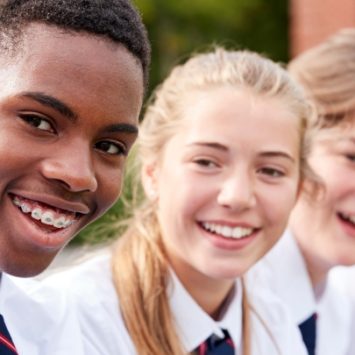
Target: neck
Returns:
[317, 268]
[210, 294]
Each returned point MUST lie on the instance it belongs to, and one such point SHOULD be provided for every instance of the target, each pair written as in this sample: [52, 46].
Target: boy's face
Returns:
[69, 106]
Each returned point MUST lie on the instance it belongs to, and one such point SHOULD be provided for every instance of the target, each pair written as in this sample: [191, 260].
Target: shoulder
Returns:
[92, 275]
[337, 313]
[343, 279]
[88, 288]
[39, 318]
[90, 291]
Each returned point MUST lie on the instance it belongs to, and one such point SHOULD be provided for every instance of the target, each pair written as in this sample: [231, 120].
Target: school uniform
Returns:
[103, 330]
[343, 279]
[285, 271]
[39, 319]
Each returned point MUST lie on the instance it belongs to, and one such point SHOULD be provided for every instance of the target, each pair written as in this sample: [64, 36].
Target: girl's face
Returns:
[327, 231]
[226, 182]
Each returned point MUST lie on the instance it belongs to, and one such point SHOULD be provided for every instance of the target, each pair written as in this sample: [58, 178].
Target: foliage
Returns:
[178, 28]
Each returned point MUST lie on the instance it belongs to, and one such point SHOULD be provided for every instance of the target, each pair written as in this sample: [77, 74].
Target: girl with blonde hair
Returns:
[321, 231]
[222, 152]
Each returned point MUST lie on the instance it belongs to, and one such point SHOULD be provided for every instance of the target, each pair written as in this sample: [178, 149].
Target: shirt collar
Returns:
[290, 269]
[194, 324]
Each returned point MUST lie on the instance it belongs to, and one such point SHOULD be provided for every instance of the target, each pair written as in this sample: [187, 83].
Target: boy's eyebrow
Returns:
[122, 128]
[53, 103]
[67, 112]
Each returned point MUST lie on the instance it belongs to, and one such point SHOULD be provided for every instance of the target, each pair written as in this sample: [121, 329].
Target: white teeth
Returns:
[350, 218]
[47, 218]
[25, 208]
[68, 223]
[36, 214]
[228, 232]
[59, 223]
[16, 201]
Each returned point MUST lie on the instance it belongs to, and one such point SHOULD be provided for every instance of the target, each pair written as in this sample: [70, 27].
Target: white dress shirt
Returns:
[284, 270]
[343, 279]
[103, 330]
[39, 319]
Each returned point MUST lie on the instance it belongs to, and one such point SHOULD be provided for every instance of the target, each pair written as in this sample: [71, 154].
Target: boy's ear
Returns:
[150, 180]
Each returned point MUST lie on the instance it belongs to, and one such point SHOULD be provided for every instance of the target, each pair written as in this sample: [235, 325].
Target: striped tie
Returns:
[217, 346]
[7, 347]
[309, 332]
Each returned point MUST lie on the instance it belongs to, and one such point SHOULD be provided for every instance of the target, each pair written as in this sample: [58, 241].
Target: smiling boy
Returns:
[72, 81]
[73, 74]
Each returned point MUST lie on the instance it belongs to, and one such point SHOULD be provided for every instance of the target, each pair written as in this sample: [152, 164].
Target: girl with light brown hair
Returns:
[321, 231]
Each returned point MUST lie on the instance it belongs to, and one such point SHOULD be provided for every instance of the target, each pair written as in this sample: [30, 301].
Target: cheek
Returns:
[15, 150]
[109, 190]
[337, 182]
[280, 205]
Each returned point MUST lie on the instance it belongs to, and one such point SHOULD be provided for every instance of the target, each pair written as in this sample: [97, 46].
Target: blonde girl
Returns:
[221, 156]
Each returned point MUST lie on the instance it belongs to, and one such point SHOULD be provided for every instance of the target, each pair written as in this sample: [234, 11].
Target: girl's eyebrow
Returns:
[214, 145]
[277, 154]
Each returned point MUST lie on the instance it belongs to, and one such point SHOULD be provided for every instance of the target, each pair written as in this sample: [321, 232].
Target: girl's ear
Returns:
[150, 180]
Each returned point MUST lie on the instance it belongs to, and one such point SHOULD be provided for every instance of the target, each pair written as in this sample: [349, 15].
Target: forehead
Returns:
[75, 68]
[245, 126]
[341, 133]
[221, 109]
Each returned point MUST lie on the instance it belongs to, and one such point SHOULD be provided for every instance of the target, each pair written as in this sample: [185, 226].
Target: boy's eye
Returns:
[272, 172]
[111, 148]
[37, 122]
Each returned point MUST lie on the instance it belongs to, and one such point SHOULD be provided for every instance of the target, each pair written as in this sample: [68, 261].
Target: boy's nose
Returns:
[73, 168]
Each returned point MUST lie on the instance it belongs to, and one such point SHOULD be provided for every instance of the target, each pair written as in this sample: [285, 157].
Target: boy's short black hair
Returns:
[117, 20]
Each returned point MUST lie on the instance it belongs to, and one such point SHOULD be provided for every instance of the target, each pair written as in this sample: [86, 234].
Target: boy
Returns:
[72, 82]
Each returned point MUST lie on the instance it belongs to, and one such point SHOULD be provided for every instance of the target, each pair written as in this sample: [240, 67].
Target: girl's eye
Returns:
[351, 157]
[205, 163]
[111, 148]
[272, 172]
[37, 122]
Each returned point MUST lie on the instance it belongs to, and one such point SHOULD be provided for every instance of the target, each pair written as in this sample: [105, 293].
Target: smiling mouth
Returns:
[45, 215]
[347, 218]
[227, 231]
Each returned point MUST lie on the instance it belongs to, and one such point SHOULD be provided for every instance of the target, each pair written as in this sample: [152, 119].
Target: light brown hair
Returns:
[327, 73]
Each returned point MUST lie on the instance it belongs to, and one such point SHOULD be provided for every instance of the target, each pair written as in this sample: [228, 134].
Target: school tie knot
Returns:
[308, 330]
[215, 345]
[7, 346]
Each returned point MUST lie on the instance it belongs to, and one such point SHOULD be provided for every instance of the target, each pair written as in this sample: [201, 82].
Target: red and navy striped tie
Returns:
[217, 346]
[7, 346]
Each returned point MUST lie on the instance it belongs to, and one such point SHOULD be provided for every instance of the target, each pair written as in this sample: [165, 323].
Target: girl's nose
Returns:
[237, 191]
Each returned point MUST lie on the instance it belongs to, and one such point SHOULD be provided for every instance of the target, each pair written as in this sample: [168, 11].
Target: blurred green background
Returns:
[177, 28]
